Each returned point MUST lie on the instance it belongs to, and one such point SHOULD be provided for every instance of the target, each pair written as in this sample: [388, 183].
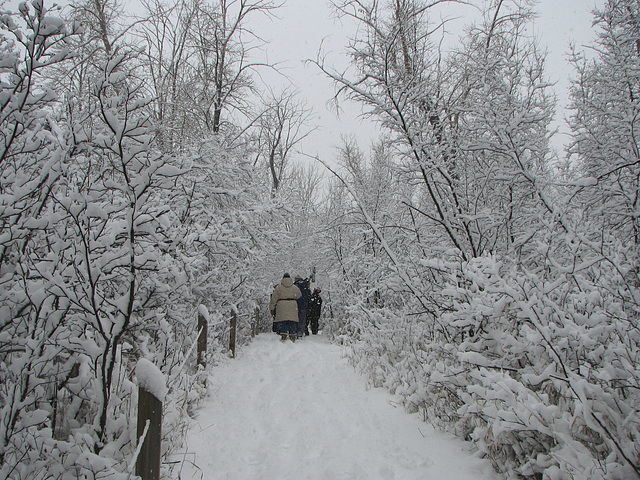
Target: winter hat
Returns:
[316, 290]
[286, 275]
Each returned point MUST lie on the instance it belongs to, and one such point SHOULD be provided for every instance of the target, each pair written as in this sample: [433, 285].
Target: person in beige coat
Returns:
[285, 307]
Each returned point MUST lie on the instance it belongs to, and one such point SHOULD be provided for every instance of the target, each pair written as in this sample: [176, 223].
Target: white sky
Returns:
[303, 25]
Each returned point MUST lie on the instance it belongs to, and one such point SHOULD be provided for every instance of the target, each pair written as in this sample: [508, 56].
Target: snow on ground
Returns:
[299, 411]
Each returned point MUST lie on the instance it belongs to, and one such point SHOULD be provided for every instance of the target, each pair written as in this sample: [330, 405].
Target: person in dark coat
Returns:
[315, 305]
[303, 304]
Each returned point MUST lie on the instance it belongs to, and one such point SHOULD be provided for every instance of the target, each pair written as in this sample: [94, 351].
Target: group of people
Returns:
[295, 308]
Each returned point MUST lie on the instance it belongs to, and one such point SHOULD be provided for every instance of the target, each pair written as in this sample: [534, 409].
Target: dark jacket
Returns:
[303, 301]
[315, 305]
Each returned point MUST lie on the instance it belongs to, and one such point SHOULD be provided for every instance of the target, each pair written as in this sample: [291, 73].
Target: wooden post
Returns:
[148, 462]
[256, 322]
[232, 333]
[202, 340]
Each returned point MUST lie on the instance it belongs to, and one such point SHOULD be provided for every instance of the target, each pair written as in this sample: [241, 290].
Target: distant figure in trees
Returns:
[284, 306]
[315, 305]
[303, 304]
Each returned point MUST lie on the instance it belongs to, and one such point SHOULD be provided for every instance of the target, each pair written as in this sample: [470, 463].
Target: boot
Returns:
[292, 337]
[283, 337]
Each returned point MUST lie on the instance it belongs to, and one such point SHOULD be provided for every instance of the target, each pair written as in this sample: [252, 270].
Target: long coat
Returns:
[283, 301]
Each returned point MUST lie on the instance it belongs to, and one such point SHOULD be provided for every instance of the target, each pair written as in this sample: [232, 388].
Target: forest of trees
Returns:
[490, 282]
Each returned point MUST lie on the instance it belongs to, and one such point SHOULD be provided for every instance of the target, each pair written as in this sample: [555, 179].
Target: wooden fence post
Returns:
[232, 333]
[202, 340]
[256, 322]
[149, 409]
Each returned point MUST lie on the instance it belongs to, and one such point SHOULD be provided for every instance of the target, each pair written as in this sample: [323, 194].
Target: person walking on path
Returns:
[303, 305]
[315, 305]
[284, 306]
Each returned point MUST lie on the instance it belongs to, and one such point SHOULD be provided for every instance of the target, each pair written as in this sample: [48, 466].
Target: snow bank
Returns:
[332, 426]
[202, 310]
[585, 182]
[151, 379]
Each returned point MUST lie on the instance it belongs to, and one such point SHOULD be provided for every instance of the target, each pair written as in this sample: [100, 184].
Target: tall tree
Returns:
[469, 129]
[501, 114]
[221, 75]
[282, 126]
[199, 60]
[606, 103]
[167, 58]
[103, 28]
[400, 78]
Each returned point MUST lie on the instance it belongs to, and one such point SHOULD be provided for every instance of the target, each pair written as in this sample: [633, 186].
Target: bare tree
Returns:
[198, 61]
[101, 20]
[221, 75]
[282, 126]
[167, 56]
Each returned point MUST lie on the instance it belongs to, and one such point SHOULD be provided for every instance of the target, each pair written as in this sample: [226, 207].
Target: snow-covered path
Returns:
[299, 411]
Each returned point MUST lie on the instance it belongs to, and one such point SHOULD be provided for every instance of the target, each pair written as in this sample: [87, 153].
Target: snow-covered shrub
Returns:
[95, 260]
[508, 305]
[539, 371]
[553, 372]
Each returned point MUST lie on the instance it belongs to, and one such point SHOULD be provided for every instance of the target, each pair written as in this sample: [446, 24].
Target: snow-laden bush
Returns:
[554, 372]
[107, 248]
[540, 373]
[507, 304]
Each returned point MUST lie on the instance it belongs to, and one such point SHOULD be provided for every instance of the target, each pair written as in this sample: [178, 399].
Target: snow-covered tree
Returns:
[199, 61]
[502, 111]
[167, 58]
[31, 162]
[282, 126]
[399, 77]
[522, 281]
[606, 103]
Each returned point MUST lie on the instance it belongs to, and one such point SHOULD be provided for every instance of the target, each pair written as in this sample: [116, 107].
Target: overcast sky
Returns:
[303, 25]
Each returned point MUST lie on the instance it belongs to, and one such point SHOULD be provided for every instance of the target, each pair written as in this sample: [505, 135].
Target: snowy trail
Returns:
[299, 411]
